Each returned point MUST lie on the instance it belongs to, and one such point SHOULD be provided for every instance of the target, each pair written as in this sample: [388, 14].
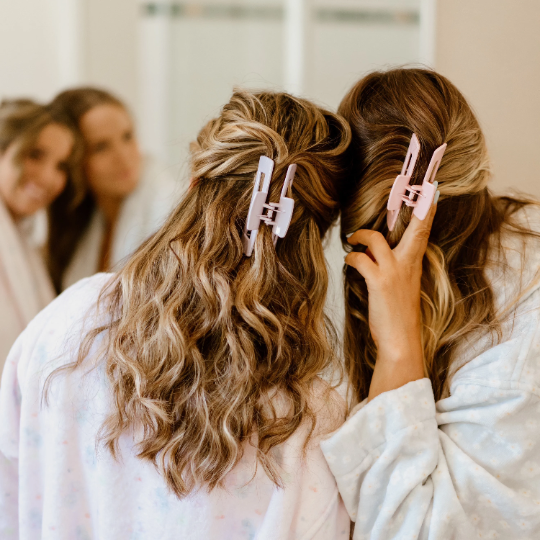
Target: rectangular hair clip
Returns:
[278, 215]
[419, 197]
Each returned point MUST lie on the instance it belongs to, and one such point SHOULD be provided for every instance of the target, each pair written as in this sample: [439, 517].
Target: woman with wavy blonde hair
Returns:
[183, 396]
[446, 360]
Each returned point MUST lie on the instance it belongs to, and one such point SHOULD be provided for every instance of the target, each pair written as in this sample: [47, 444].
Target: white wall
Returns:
[49, 45]
[33, 37]
[110, 47]
[491, 50]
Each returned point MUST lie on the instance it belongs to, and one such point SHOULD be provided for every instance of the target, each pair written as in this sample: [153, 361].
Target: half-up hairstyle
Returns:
[201, 336]
[384, 109]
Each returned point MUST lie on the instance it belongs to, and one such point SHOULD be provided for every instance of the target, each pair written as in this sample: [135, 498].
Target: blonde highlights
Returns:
[384, 109]
[202, 337]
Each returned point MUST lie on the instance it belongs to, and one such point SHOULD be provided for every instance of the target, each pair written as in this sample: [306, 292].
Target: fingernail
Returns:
[436, 198]
[349, 235]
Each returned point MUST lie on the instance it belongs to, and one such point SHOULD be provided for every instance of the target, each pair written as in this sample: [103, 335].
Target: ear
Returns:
[193, 182]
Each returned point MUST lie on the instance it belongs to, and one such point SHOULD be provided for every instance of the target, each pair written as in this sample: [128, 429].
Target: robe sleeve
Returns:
[465, 467]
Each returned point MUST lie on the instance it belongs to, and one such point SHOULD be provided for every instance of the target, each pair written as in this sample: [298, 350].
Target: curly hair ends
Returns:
[201, 336]
[384, 109]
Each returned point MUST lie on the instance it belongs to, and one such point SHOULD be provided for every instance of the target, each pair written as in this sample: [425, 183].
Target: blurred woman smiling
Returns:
[36, 149]
[126, 197]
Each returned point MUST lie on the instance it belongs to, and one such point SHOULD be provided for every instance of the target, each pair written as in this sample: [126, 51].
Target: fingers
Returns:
[361, 262]
[414, 242]
[376, 243]
[412, 246]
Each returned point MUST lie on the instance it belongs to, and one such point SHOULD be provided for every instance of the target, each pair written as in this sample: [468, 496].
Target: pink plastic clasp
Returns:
[278, 215]
[419, 197]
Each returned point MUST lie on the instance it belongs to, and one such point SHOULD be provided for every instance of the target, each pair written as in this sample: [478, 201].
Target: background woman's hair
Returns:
[203, 337]
[384, 109]
[21, 122]
[70, 214]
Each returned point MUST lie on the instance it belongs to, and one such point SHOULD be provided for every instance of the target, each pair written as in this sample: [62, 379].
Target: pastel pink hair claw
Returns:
[419, 197]
[278, 215]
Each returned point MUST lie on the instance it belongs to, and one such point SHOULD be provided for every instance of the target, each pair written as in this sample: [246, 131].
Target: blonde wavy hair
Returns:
[384, 109]
[202, 337]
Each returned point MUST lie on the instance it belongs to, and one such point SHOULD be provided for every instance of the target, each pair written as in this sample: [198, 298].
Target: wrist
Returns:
[407, 352]
[396, 367]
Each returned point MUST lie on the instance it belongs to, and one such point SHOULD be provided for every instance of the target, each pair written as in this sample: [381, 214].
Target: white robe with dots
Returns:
[57, 482]
[467, 466]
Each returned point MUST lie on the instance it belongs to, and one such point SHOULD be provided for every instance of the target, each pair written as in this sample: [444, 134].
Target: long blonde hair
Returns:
[384, 110]
[201, 337]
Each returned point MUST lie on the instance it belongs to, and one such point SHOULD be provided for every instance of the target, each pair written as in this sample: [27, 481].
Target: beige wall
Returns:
[110, 47]
[491, 50]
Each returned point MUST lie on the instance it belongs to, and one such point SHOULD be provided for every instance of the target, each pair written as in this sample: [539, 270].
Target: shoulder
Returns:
[514, 261]
[328, 406]
[515, 253]
[52, 333]
[529, 216]
[74, 302]
[512, 358]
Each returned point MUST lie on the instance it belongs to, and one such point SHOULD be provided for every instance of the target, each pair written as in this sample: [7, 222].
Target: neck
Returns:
[17, 218]
[110, 208]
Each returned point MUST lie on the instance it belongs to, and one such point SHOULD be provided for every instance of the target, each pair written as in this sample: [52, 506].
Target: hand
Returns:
[393, 279]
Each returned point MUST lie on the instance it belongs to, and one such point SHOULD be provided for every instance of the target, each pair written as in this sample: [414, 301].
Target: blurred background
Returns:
[175, 62]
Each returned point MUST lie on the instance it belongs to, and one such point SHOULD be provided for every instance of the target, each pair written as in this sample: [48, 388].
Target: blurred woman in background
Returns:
[36, 149]
[125, 196]
[185, 396]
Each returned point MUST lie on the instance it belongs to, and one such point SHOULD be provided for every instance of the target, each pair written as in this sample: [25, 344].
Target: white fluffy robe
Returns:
[467, 466]
[56, 483]
[142, 214]
[25, 287]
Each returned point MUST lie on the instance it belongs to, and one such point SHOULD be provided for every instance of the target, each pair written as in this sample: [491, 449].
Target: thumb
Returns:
[413, 244]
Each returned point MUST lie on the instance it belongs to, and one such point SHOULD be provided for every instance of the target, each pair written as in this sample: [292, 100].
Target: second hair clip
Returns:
[420, 197]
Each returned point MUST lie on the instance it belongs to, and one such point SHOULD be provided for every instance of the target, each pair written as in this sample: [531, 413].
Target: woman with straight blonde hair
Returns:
[183, 396]
[446, 360]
